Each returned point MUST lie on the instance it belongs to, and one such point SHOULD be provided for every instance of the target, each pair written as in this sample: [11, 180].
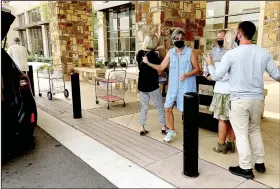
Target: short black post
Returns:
[31, 79]
[76, 96]
[190, 151]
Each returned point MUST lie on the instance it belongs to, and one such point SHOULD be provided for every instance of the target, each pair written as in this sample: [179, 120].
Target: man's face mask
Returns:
[237, 40]
[220, 43]
[179, 44]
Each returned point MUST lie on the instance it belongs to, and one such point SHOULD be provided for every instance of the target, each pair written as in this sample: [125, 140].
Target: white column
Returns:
[45, 40]
[28, 36]
[102, 36]
[261, 23]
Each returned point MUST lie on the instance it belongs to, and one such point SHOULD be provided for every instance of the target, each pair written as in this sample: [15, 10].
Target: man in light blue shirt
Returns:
[245, 66]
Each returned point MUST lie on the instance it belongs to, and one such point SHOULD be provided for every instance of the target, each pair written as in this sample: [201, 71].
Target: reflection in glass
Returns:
[233, 21]
[241, 7]
[112, 34]
[216, 8]
[124, 33]
[113, 44]
[124, 44]
[132, 44]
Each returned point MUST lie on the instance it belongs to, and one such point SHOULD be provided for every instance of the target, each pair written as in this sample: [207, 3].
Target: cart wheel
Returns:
[40, 95]
[108, 107]
[124, 104]
[97, 101]
[66, 93]
[49, 95]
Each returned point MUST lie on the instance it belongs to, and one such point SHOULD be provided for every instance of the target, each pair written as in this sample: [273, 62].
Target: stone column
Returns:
[45, 40]
[271, 29]
[72, 34]
[163, 17]
[102, 36]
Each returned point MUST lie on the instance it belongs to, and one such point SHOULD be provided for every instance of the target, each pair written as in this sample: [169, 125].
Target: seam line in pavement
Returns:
[105, 122]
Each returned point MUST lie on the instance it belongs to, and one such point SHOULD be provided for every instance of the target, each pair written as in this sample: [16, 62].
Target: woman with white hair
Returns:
[148, 83]
[183, 68]
[221, 100]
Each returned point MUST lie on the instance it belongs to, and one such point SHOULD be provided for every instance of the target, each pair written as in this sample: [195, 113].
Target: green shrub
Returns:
[99, 64]
[47, 60]
[40, 59]
[31, 59]
[106, 63]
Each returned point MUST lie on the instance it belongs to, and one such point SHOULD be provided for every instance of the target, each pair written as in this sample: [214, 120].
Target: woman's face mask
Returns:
[179, 41]
[179, 44]
[221, 43]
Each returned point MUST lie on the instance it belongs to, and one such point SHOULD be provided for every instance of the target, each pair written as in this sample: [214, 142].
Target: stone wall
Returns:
[271, 29]
[163, 17]
[72, 34]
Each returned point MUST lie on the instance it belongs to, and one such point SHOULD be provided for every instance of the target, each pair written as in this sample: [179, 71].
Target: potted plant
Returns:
[106, 63]
[123, 64]
[112, 64]
[31, 58]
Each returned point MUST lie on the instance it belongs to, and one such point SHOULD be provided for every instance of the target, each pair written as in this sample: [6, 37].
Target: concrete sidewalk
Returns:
[127, 119]
[162, 160]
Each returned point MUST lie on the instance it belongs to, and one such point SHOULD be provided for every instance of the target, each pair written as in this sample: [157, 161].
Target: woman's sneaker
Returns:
[170, 135]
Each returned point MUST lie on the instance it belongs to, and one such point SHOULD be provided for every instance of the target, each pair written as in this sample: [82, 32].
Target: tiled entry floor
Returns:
[161, 159]
[207, 139]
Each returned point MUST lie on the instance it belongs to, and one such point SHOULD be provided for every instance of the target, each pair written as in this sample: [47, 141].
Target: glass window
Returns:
[112, 21]
[125, 33]
[215, 9]
[121, 33]
[241, 7]
[113, 44]
[21, 20]
[34, 16]
[222, 15]
[132, 44]
[233, 21]
[23, 38]
[112, 34]
[124, 44]
[36, 41]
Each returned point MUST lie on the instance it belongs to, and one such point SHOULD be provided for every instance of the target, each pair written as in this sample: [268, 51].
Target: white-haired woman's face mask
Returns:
[179, 41]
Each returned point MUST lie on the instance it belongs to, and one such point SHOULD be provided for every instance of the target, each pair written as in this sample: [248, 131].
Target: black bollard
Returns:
[190, 145]
[76, 96]
[31, 79]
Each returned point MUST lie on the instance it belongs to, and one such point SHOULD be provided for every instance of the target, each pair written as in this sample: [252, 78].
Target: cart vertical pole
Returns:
[190, 149]
[76, 96]
[31, 78]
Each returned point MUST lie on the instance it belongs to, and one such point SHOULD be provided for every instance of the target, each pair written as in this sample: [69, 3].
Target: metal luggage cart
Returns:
[54, 74]
[112, 88]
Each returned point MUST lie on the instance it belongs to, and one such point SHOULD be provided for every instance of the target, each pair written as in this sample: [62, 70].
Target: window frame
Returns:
[130, 8]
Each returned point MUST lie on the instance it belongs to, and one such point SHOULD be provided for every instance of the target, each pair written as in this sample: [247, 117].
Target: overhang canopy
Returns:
[33, 25]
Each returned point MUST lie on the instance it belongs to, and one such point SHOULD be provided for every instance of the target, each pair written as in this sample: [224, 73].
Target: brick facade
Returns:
[271, 28]
[72, 34]
[163, 17]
